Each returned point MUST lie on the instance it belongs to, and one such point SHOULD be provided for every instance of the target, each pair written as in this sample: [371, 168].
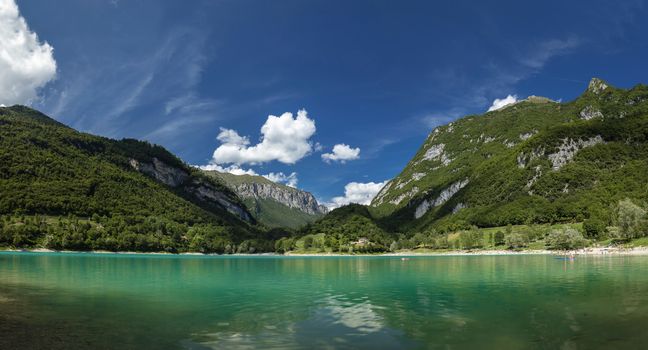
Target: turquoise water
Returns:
[104, 301]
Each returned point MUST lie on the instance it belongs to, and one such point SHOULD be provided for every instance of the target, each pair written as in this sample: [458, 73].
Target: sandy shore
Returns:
[597, 251]
[587, 251]
[45, 250]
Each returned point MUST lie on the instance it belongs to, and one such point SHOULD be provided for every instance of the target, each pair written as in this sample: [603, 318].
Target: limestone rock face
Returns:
[208, 192]
[160, 171]
[568, 149]
[175, 177]
[290, 197]
[596, 86]
[443, 197]
[590, 112]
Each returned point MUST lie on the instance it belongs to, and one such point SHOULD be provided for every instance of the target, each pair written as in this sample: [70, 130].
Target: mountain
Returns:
[273, 204]
[65, 189]
[534, 161]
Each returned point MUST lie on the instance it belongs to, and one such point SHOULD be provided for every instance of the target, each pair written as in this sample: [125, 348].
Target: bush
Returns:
[499, 238]
[593, 227]
[441, 242]
[471, 239]
[536, 232]
[516, 241]
[566, 239]
[631, 219]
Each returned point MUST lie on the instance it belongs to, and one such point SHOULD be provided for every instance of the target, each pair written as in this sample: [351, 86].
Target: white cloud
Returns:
[233, 169]
[26, 64]
[284, 138]
[231, 137]
[356, 192]
[501, 103]
[341, 153]
[290, 180]
[548, 49]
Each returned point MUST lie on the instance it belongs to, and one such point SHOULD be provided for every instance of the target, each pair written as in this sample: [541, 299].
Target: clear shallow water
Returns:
[134, 301]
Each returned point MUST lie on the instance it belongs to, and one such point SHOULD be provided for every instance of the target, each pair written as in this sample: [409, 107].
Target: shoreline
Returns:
[595, 251]
[614, 251]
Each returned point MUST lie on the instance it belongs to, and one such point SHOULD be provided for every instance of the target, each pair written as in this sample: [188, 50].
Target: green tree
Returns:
[565, 239]
[498, 239]
[471, 239]
[594, 227]
[516, 241]
[631, 219]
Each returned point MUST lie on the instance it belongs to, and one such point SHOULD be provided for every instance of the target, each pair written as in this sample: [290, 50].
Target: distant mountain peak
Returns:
[597, 85]
[291, 207]
[539, 99]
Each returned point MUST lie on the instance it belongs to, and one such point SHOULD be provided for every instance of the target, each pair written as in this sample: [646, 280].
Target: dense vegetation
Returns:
[537, 163]
[535, 175]
[69, 190]
[347, 229]
[352, 229]
[505, 157]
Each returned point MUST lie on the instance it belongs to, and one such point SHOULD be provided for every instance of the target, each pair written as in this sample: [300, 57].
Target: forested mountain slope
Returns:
[535, 161]
[70, 190]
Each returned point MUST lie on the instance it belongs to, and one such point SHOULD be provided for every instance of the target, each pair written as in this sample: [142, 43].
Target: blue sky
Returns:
[372, 75]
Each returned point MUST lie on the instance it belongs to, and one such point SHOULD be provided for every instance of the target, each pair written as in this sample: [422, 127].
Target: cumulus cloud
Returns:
[232, 169]
[341, 153]
[501, 103]
[26, 64]
[283, 138]
[289, 180]
[356, 192]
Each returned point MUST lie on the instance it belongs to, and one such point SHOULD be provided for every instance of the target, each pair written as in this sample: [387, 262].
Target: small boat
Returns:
[404, 259]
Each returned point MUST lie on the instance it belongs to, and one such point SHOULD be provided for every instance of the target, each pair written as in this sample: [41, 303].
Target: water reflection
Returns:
[336, 323]
[274, 302]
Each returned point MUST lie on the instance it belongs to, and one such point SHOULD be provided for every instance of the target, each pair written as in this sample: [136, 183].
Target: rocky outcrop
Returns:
[160, 171]
[436, 152]
[596, 86]
[407, 195]
[568, 149]
[590, 112]
[442, 198]
[291, 197]
[175, 177]
[380, 197]
[207, 192]
[527, 135]
[523, 159]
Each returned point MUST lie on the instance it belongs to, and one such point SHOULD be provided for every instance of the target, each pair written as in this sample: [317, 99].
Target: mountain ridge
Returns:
[455, 156]
[258, 193]
[132, 195]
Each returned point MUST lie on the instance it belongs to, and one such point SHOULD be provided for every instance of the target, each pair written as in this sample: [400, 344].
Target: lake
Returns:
[103, 301]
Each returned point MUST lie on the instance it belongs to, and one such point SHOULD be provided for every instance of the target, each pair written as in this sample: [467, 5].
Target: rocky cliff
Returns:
[272, 202]
[179, 177]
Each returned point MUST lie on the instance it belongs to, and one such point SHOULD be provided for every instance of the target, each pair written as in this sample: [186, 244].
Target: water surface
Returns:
[104, 301]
